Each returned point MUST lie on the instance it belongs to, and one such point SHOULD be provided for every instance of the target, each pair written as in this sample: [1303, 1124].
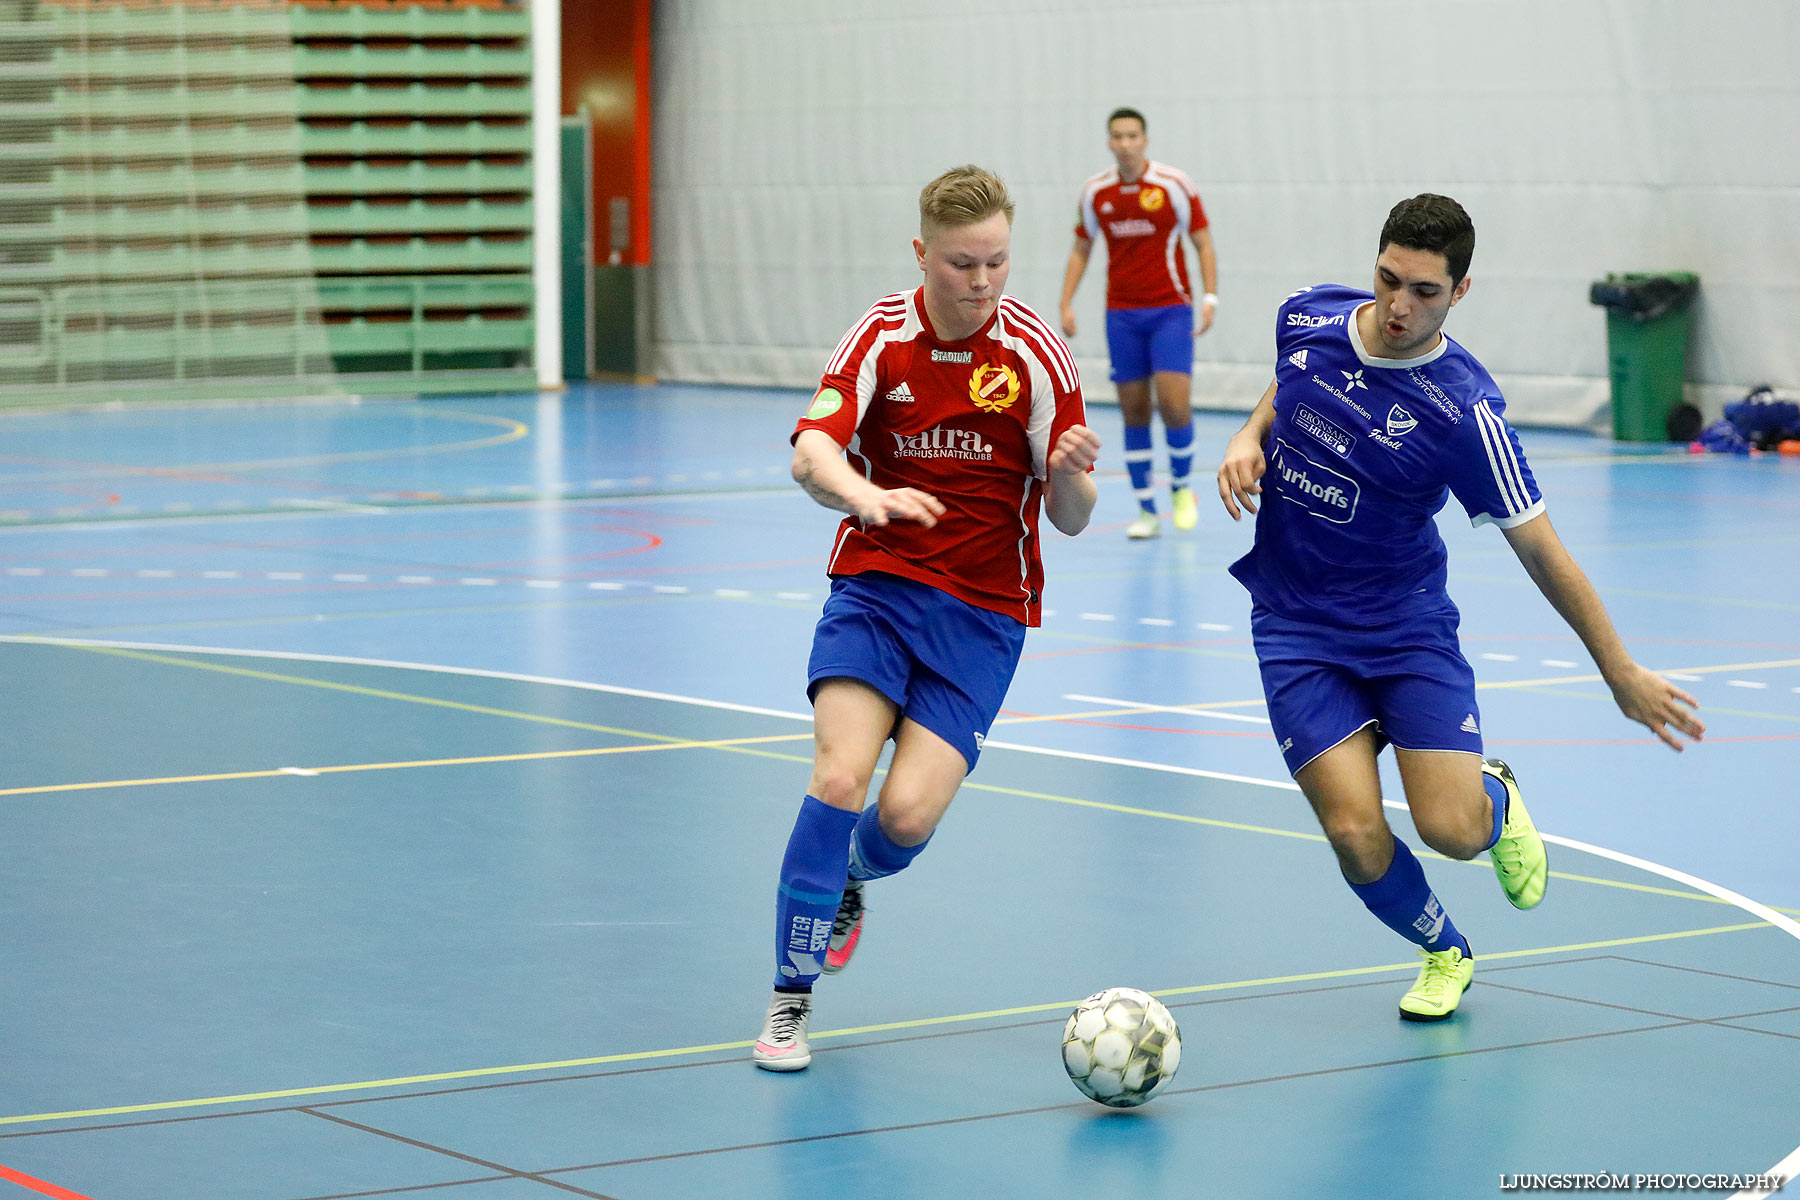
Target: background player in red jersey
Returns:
[960, 412]
[1144, 209]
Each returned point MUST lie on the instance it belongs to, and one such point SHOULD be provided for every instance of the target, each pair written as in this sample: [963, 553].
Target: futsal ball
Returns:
[1121, 1046]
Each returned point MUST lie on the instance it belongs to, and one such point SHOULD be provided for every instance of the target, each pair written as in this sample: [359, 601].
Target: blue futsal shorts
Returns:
[945, 663]
[1323, 683]
[1144, 340]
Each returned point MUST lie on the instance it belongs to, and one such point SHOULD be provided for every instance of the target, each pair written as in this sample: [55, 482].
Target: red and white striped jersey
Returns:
[1144, 223]
[971, 422]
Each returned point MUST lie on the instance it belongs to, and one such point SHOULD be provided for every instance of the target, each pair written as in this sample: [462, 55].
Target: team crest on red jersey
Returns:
[1152, 198]
[993, 387]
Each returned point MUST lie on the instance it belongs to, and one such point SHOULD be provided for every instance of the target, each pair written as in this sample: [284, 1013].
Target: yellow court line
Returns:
[887, 1027]
[1596, 678]
[1129, 810]
[737, 745]
[376, 693]
[342, 768]
[514, 431]
[1216, 823]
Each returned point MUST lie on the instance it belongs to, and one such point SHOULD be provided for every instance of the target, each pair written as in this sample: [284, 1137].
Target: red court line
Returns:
[39, 1186]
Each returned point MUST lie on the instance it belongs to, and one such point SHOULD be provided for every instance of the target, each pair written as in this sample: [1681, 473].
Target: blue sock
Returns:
[875, 855]
[1497, 793]
[812, 885]
[1137, 463]
[1181, 453]
[1404, 902]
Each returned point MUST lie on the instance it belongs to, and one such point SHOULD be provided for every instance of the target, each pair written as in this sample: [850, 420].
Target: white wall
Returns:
[792, 137]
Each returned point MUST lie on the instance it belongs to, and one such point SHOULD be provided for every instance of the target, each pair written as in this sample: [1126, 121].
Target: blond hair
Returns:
[966, 195]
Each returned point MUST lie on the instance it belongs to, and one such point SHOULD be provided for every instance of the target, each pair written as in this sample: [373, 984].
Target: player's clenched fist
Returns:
[1075, 451]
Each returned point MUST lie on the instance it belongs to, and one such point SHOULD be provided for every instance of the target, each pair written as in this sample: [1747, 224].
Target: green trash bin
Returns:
[1647, 321]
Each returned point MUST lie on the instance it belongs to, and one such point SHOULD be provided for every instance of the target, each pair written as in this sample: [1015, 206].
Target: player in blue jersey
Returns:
[1374, 419]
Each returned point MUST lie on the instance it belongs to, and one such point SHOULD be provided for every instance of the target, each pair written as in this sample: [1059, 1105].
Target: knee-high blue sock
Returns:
[1137, 464]
[812, 885]
[1405, 903]
[1180, 440]
[875, 855]
[1497, 793]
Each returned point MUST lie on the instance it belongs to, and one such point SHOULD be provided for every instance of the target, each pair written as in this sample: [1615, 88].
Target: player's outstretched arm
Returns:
[819, 467]
[1640, 693]
[1069, 491]
[1244, 464]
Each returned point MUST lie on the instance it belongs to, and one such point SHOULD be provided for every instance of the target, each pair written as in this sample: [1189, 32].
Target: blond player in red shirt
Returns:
[946, 418]
[1144, 209]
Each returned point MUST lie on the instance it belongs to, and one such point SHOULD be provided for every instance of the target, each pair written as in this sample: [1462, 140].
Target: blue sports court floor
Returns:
[394, 791]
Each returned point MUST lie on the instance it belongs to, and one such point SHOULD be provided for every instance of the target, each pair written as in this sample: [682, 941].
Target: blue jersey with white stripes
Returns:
[1363, 453]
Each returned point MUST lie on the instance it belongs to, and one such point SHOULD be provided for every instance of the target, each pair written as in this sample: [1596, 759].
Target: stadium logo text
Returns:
[1133, 227]
[1313, 320]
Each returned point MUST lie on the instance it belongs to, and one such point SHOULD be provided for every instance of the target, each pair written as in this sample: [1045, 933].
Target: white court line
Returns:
[1786, 1168]
[1194, 710]
[333, 505]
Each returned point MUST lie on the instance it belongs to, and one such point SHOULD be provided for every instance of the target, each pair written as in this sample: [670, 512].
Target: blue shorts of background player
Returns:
[1324, 683]
[1143, 341]
[944, 663]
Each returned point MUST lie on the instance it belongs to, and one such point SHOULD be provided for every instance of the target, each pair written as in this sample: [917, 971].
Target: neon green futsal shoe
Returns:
[1519, 858]
[1186, 512]
[1439, 988]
